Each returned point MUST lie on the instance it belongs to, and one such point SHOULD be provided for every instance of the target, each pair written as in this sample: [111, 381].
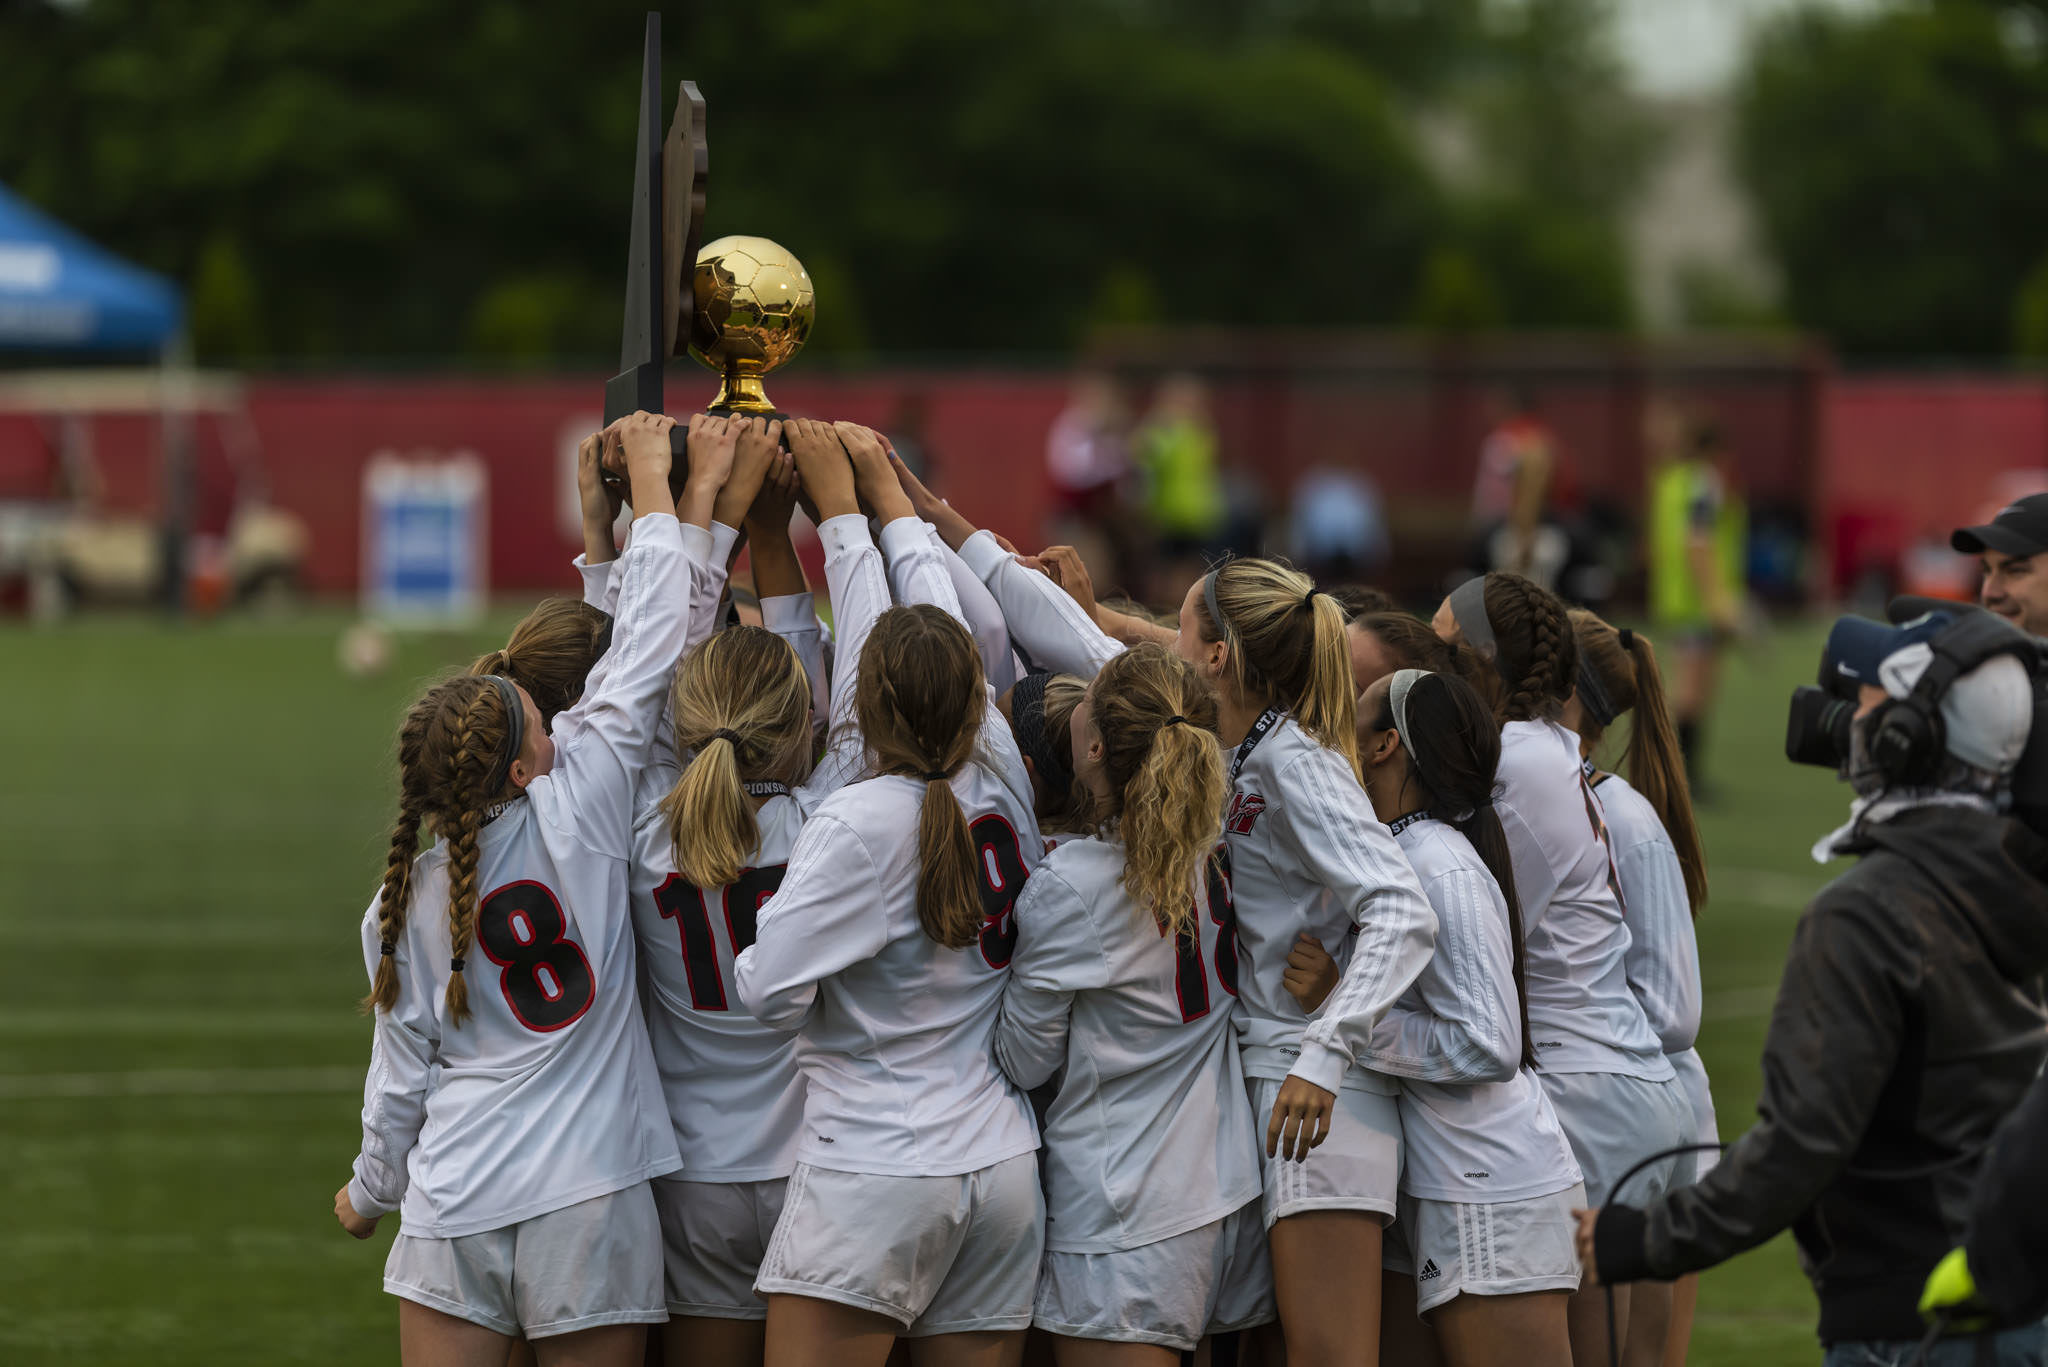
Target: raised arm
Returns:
[1464, 1026]
[611, 730]
[826, 916]
[984, 616]
[1044, 619]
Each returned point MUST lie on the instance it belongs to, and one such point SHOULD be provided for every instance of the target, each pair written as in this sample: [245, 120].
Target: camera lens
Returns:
[1817, 728]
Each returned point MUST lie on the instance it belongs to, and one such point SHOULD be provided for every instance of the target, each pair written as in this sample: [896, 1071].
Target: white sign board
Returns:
[426, 525]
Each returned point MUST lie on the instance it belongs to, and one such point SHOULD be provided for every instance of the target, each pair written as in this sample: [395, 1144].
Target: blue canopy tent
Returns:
[60, 292]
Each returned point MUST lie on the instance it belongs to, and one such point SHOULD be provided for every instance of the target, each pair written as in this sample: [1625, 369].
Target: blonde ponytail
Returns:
[1157, 722]
[743, 702]
[1287, 647]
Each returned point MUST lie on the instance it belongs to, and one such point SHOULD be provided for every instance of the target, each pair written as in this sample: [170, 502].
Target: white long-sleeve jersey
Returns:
[1044, 620]
[1149, 1135]
[1581, 1012]
[731, 1083]
[894, 1030]
[548, 1094]
[1307, 854]
[1478, 1127]
[1663, 956]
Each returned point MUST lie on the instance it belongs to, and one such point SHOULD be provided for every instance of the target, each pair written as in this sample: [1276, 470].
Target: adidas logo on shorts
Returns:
[1430, 1271]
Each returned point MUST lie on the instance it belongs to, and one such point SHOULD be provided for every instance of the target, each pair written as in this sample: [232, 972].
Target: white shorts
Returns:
[1692, 1081]
[713, 1237]
[1614, 1122]
[595, 1263]
[1209, 1280]
[1506, 1248]
[939, 1255]
[1356, 1167]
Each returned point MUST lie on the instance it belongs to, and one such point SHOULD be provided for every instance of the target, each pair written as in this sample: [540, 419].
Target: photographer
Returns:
[1906, 1025]
[2012, 552]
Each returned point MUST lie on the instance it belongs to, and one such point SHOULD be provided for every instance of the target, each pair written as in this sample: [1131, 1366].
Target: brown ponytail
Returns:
[448, 748]
[551, 652]
[1287, 647]
[743, 702]
[1157, 721]
[920, 699]
[1624, 666]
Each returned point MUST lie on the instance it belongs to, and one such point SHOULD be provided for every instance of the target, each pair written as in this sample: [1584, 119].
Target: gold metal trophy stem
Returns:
[740, 392]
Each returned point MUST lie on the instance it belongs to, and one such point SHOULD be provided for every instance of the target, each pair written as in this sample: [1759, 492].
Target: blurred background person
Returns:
[1338, 527]
[1695, 530]
[2008, 548]
[1511, 496]
[1087, 460]
[1183, 486]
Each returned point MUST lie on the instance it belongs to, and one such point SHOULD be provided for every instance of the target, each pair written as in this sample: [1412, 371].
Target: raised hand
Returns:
[643, 446]
[823, 466]
[1066, 568]
[874, 481]
[757, 445]
[600, 501]
[776, 502]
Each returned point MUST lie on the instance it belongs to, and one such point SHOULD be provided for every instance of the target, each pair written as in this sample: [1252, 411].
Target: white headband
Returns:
[1397, 701]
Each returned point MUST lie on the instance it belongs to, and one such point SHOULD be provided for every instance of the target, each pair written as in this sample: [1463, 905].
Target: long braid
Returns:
[396, 896]
[1539, 655]
[467, 767]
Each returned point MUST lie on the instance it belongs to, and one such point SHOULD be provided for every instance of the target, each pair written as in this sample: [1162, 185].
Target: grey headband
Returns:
[1594, 698]
[1216, 613]
[1468, 610]
[515, 734]
[1397, 700]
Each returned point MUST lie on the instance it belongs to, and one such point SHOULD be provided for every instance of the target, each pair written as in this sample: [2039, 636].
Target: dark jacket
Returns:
[1907, 1026]
[2008, 1238]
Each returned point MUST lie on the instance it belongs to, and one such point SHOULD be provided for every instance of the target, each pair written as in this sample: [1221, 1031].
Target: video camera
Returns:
[1908, 738]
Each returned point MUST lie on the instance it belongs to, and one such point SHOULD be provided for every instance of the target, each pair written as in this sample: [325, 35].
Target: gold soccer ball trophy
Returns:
[753, 308]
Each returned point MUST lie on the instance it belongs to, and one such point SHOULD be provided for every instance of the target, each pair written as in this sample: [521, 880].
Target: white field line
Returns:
[181, 1082]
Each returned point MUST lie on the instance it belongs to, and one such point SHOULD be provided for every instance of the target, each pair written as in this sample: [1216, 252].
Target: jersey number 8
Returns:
[545, 978]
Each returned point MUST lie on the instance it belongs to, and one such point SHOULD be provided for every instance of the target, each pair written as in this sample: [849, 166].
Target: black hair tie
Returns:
[725, 735]
[1308, 600]
[1628, 640]
[1175, 720]
[935, 776]
[387, 949]
[455, 965]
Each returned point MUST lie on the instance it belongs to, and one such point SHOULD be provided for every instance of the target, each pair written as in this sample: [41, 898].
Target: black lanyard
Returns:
[761, 789]
[1402, 823]
[1268, 719]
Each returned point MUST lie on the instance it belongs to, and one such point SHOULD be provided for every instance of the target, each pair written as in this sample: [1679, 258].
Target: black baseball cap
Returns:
[2019, 529]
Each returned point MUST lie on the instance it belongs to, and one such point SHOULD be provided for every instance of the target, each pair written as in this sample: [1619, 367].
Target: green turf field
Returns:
[191, 823]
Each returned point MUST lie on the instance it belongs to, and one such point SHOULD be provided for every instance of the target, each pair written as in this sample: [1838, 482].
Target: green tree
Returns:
[1900, 164]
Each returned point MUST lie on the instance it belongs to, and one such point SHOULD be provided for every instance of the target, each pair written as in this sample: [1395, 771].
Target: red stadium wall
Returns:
[1873, 463]
[1908, 458]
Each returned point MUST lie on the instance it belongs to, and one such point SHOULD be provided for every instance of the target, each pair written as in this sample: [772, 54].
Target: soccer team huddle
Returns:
[1271, 985]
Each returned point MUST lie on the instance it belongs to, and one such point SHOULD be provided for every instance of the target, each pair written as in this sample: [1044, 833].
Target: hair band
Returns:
[1628, 640]
[1308, 600]
[387, 949]
[455, 965]
[936, 776]
[1216, 613]
[1175, 720]
[1397, 703]
[515, 734]
[726, 735]
[1468, 610]
[1594, 698]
